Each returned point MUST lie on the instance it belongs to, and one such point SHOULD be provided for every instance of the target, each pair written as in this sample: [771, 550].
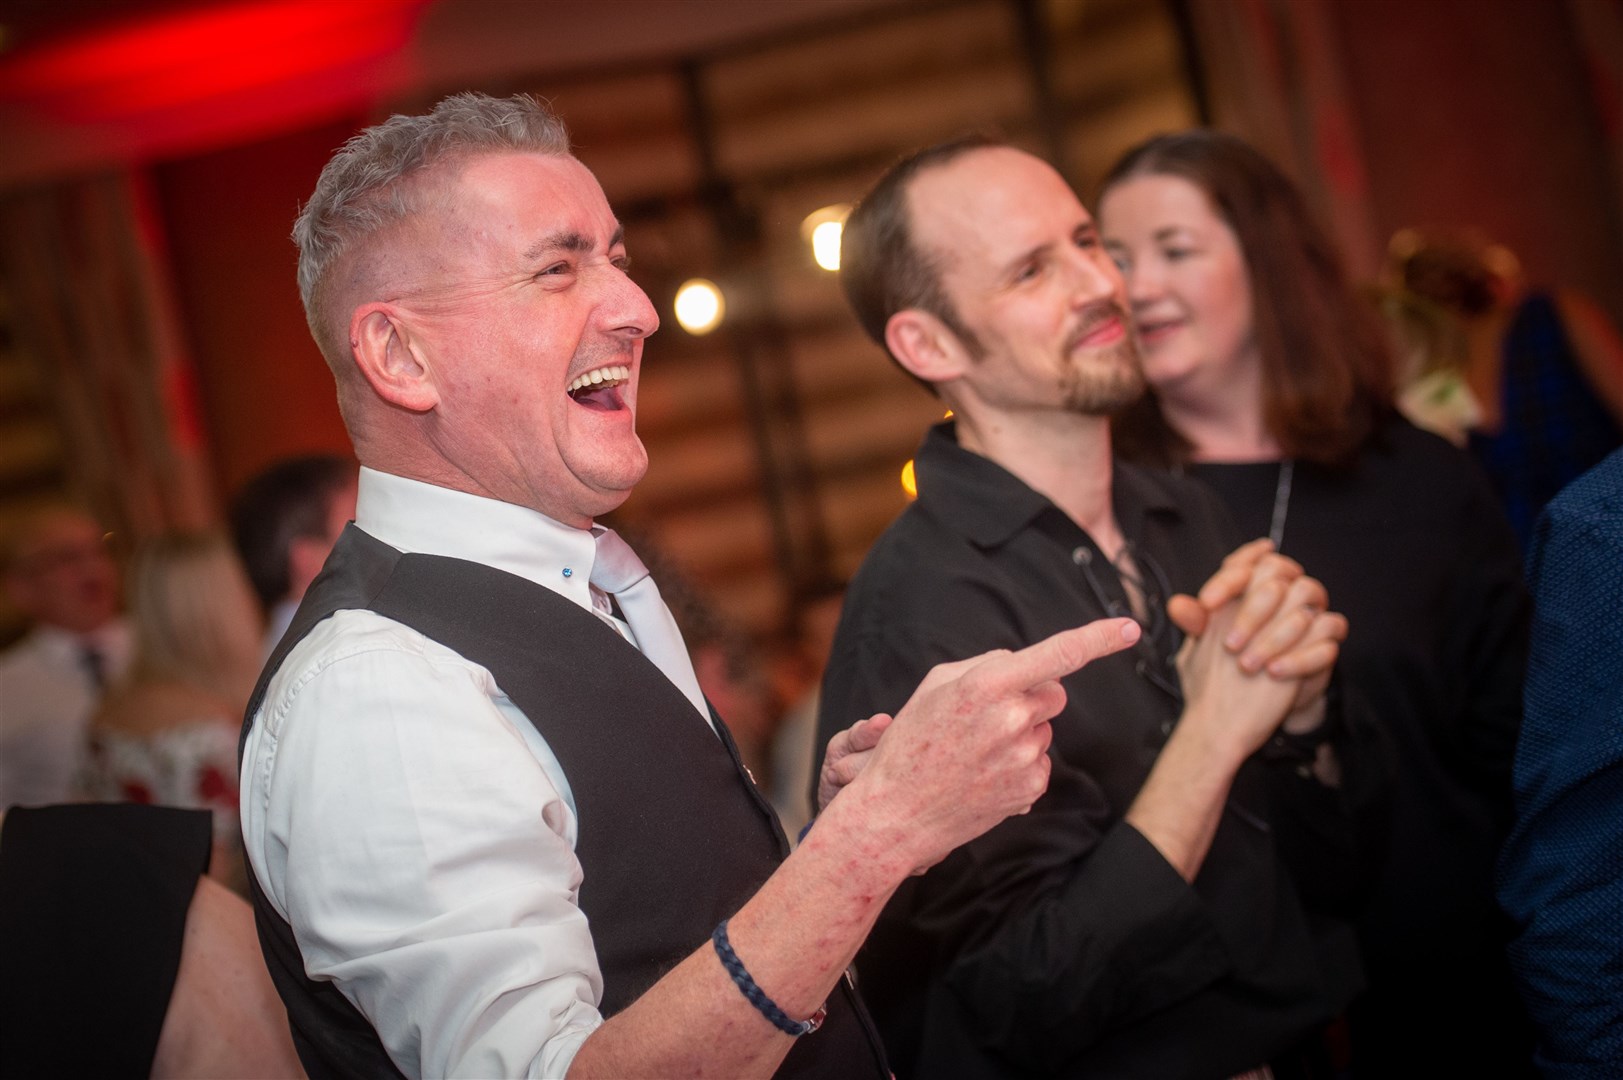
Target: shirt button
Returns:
[1166, 727]
[1081, 555]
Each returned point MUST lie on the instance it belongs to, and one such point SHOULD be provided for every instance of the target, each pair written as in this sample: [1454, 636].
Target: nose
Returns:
[1095, 278]
[1143, 283]
[626, 309]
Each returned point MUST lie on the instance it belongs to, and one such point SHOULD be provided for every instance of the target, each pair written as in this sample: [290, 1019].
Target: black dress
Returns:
[1416, 553]
[93, 902]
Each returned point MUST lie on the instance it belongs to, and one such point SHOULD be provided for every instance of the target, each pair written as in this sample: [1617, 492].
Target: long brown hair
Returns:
[1327, 369]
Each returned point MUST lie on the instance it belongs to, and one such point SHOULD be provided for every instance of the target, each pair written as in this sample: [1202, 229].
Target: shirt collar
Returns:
[426, 519]
[990, 505]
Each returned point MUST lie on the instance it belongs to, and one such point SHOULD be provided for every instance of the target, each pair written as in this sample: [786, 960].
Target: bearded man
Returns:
[1144, 919]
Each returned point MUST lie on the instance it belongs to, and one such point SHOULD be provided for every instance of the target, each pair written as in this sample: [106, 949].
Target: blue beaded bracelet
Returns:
[757, 996]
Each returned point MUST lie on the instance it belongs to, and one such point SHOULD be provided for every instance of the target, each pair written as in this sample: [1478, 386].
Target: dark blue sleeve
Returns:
[1561, 873]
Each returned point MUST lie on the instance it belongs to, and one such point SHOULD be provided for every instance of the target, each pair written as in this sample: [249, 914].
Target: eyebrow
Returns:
[568, 240]
[1014, 264]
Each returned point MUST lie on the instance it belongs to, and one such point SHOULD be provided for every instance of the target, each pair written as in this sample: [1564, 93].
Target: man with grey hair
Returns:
[494, 827]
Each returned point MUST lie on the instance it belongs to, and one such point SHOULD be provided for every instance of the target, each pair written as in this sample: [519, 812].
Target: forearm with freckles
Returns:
[796, 937]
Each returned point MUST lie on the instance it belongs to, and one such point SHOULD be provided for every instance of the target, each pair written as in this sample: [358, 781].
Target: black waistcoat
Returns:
[672, 838]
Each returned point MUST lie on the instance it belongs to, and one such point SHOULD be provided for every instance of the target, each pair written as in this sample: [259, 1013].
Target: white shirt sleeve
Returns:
[418, 835]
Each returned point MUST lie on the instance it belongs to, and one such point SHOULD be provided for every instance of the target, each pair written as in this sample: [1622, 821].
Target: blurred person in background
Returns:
[284, 521]
[1545, 367]
[167, 734]
[1271, 382]
[1432, 390]
[59, 573]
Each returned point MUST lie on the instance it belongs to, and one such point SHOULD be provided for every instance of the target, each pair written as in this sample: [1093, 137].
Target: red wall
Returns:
[265, 391]
[1476, 112]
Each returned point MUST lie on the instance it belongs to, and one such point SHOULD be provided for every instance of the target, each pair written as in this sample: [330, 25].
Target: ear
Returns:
[925, 346]
[389, 359]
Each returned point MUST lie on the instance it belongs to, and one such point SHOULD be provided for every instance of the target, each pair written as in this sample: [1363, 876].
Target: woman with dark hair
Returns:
[1272, 382]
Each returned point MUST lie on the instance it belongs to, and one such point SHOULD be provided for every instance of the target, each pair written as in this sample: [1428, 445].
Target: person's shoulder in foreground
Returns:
[1561, 874]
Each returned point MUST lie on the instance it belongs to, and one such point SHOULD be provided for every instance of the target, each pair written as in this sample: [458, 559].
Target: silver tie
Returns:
[618, 572]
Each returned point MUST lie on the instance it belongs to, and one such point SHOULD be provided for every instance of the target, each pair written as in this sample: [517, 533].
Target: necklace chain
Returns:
[1282, 502]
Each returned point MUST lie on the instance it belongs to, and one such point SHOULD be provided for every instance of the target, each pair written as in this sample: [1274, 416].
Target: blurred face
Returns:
[1186, 277]
[1021, 262]
[307, 554]
[340, 512]
[63, 575]
[533, 334]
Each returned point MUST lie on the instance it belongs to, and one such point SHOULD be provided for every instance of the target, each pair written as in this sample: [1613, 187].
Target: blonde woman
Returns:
[167, 734]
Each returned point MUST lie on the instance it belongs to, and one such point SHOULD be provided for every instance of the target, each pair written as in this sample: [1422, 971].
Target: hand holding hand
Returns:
[848, 753]
[1238, 709]
[1281, 626]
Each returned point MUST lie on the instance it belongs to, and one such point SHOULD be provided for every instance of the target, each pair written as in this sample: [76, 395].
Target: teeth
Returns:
[613, 375]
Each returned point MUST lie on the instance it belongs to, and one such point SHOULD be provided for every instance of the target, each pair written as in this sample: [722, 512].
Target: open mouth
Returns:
[599, 388]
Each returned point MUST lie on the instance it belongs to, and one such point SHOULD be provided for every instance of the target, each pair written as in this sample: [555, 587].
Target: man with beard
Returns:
[1143, 918]
[495, 828]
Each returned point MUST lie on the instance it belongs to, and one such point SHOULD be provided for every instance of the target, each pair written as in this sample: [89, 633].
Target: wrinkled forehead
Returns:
[477, 214]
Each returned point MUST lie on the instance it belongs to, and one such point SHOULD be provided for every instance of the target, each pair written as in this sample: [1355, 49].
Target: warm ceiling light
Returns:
[822, 229]
[909, 484]
[699, 306]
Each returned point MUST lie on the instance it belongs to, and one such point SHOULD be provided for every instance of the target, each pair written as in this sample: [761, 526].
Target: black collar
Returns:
[980, 499]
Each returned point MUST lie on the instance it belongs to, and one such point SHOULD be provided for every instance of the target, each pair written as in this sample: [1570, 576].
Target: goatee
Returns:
[1103, 381]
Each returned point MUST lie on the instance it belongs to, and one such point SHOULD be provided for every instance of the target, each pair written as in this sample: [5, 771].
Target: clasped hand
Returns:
[1260, 645]
[970, 746]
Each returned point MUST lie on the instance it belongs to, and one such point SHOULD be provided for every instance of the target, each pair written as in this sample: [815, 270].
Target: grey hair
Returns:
[360, 190]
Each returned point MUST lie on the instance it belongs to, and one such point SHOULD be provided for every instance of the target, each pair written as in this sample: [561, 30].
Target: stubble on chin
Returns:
[1107, 381]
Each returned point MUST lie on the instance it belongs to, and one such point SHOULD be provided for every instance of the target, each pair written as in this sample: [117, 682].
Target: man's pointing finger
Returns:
[1052, 658]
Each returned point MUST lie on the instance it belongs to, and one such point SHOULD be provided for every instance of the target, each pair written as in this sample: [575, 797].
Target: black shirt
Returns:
[1416, 553]
[1061, 942]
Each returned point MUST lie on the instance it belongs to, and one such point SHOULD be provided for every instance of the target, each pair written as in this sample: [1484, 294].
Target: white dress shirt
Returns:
[414, 828]
[46, 698]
